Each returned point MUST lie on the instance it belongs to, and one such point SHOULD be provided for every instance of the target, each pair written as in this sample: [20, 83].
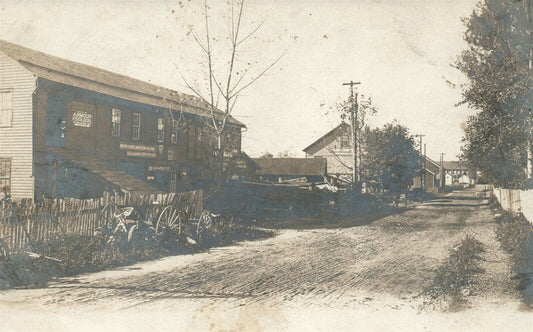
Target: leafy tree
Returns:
[285, 154]
[496, 147]
[500, 84]
[266, 154]
[390, 159]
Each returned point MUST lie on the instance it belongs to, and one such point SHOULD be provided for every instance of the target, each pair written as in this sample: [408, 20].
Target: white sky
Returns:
[399, 50]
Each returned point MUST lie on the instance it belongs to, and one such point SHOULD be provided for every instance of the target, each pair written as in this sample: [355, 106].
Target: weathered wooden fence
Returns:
[517, 201]
[38, 223]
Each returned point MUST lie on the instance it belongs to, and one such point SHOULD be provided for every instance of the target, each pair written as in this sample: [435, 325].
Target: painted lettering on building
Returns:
[82, 119]
[158, 168]
[171, 155]
[140, 154]
[137, 147]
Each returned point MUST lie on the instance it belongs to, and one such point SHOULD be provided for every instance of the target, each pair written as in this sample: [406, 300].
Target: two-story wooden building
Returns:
[337, 148]
[72, 130]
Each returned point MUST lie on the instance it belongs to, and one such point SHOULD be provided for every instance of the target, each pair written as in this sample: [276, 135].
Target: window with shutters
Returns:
[6, 108]
[5, 174]
[136, 126]
[115, 123]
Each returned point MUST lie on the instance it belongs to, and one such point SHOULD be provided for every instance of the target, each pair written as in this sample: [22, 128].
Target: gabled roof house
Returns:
[336, 147]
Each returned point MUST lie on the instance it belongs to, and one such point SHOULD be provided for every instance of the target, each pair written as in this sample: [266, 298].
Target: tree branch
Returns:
[256, 78]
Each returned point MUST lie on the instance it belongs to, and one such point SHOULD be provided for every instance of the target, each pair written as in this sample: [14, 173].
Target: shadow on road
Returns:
[462, 199]
[151, 293]
[329, 222]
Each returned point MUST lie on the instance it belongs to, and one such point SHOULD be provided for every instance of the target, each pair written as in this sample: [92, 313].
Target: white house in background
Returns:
[458, 173]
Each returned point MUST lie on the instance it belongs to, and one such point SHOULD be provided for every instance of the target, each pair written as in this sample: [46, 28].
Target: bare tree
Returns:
[224, 90]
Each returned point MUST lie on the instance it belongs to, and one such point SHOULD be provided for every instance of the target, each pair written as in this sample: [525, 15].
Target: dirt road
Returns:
[366, 277]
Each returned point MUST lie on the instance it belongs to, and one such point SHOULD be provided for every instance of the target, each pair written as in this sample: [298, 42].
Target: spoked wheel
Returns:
[107, 214]
[150, 214]
[204, 222]
[7, 269]
[169, 220]
[4, 250]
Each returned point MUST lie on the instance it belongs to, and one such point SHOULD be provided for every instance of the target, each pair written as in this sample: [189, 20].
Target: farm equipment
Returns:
[140, 226]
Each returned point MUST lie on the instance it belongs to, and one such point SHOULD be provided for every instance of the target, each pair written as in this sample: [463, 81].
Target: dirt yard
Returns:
[350, 275]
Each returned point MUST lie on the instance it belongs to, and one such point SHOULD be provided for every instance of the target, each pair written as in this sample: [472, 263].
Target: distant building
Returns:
[72, 130]
[430, 174]
[336, 147]
[458, 173]
[279, 170]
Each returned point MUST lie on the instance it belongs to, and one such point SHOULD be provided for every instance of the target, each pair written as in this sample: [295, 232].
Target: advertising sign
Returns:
[82, 119]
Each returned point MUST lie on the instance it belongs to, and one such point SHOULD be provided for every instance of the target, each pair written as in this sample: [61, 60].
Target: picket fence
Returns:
[517, 201]
[38, 223]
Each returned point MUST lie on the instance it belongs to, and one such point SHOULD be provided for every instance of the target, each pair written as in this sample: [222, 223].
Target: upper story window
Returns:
[136, 126]
[345, 142]
[6, 108]
[5, 174]
[115, 122]
[160, 130]
[174, 132]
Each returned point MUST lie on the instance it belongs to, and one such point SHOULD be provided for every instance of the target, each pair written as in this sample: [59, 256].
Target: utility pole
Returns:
[353, 116]
[529, 168]
[442, 175]
[425, 166]
[423, 173]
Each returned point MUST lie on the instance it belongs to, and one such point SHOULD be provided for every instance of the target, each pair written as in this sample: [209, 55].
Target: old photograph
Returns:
[266, 165]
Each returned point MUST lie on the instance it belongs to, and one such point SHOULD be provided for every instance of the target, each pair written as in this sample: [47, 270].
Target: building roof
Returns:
[455, 164]
[95, 79]
[291, 166]
[437, 165]
[327, 138]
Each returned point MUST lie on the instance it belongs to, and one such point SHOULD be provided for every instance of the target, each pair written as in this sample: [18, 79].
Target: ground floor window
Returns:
[5, 174]
[6, 108]
[173, 182]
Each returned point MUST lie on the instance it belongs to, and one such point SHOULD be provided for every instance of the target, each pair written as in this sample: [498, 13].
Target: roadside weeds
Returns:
[455, 278]
[515, 235]
[77, 254]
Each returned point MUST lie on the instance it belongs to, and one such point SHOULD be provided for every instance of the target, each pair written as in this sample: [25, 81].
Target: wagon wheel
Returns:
[204, 222]
[7, 271]
[151, 214]
[107, 215]
[169, 219]
[4, 250]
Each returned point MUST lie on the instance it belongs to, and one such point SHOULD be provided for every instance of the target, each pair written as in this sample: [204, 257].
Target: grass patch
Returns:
[454, 279]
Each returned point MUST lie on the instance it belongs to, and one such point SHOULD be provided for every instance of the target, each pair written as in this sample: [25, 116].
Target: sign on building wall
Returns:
[159, 168]
[137, 147]
[82, 119]
[136, 150]
[140, 154]
[171, 155]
